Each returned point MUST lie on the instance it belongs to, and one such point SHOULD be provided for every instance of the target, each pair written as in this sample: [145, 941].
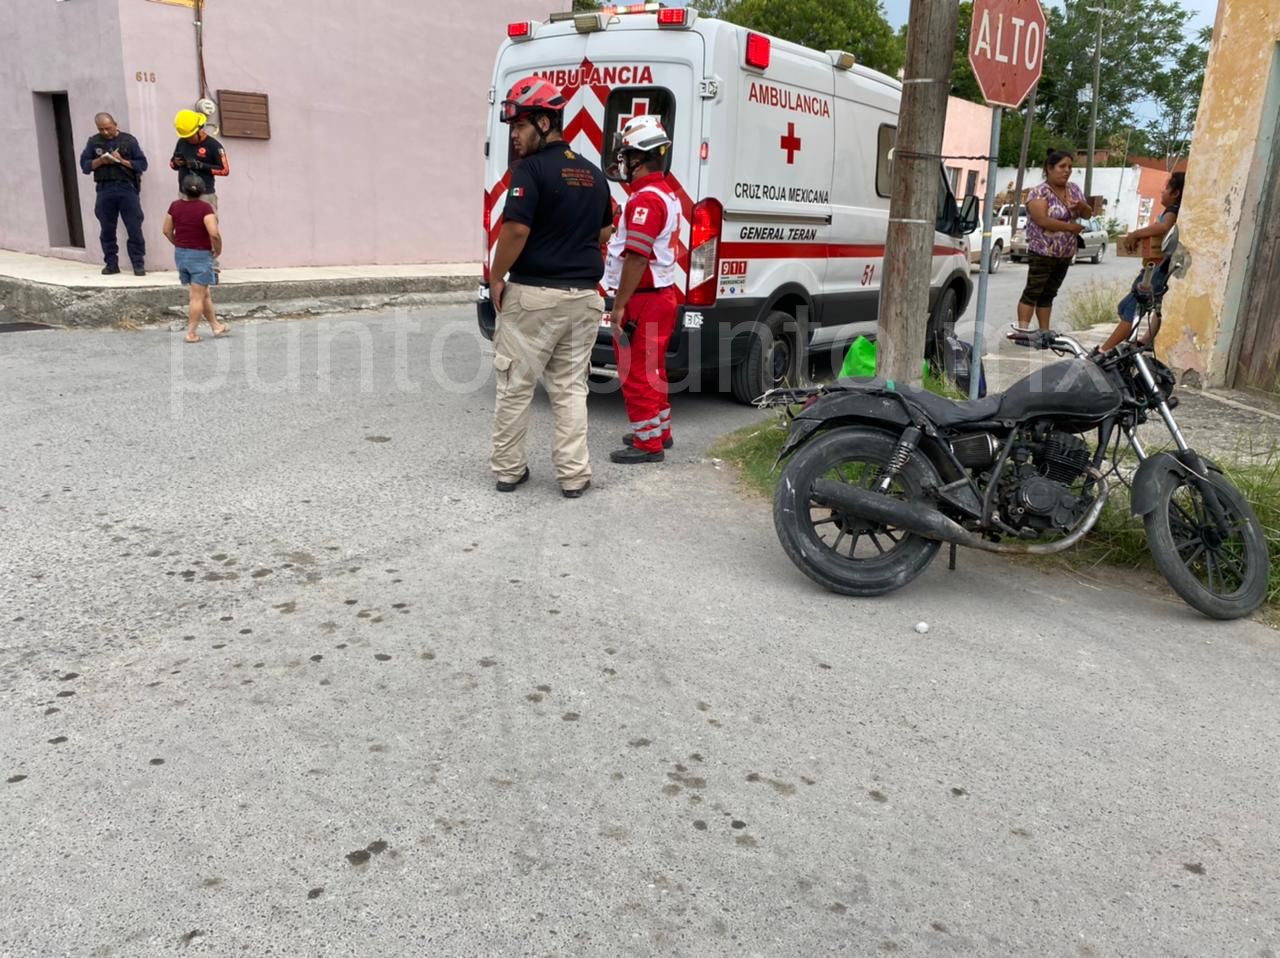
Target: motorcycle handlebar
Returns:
[1046, 339]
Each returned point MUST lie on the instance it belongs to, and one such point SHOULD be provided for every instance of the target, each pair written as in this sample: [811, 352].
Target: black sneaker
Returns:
[576, 493]
[110, 270]
[139, 271]
[511, 486]
[630, 440]
[631, 455]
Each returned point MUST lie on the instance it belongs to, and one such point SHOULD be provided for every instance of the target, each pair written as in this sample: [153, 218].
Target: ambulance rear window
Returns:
[628, 101]
[884, 164]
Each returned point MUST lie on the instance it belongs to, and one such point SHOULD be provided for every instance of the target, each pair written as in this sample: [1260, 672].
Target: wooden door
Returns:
[1258, 366]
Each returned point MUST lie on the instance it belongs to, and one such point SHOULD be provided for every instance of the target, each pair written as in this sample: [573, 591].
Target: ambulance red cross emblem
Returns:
[791, 143]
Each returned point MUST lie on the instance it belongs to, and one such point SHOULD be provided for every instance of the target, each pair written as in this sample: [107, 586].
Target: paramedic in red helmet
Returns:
[641, 268]
[556, 217]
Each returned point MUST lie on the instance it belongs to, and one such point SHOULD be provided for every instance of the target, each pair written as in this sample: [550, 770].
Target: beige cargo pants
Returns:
[546, 334]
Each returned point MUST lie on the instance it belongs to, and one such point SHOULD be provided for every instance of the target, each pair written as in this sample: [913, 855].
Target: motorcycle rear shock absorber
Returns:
[907, 443]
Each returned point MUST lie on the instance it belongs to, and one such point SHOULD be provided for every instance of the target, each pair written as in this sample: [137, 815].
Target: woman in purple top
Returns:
[1052, 208]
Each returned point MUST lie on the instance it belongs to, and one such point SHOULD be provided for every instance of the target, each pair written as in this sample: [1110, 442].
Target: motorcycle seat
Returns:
[943, 411]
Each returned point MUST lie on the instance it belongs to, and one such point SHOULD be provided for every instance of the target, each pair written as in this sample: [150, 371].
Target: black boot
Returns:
[630, 455]
[110, 270]
[630, 440]
[511, 486]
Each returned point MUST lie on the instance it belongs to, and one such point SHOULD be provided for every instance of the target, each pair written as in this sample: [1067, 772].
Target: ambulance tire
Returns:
[941, 325]
[770, 359]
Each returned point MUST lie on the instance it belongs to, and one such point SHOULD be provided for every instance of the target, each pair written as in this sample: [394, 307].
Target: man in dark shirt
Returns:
[557, 215]
[117, 163]
[197, 152]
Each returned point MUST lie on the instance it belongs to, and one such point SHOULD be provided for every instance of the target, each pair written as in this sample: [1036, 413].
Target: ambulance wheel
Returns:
[770, 359]
[941, 325]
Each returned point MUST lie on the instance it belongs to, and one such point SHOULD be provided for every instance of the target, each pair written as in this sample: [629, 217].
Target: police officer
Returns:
[641, 268]
[556, 217]
[117, 163]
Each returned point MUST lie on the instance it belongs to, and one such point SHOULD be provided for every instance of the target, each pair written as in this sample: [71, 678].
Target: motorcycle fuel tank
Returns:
[1074, 389]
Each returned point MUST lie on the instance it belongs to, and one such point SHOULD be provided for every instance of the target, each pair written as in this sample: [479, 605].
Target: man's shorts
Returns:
[195, 266]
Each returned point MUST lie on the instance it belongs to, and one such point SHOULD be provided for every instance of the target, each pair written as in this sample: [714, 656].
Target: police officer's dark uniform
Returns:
[119, 188]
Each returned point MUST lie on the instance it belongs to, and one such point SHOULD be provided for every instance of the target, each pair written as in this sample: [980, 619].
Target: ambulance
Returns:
[781, 161]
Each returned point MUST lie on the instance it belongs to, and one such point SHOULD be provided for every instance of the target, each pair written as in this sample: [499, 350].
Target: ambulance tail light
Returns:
[704, 252]
[674, 17]
[520, 30]
[758, 50]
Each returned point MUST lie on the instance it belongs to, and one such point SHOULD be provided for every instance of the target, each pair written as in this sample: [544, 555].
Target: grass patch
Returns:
[1095, 303]
[754, 450]
[1118, 540]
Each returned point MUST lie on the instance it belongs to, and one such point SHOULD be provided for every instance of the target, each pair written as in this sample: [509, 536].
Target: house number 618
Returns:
[142, 76]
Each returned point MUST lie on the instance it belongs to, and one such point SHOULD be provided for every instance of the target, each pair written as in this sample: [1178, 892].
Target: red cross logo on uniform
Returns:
[791, 143]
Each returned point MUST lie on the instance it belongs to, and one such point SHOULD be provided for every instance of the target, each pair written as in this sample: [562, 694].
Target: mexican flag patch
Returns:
[517, 193]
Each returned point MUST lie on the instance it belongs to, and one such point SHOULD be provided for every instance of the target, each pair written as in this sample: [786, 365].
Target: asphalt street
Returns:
[282, 674]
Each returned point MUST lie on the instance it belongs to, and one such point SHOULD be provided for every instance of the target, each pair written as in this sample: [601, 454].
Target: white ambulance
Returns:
[781, 161]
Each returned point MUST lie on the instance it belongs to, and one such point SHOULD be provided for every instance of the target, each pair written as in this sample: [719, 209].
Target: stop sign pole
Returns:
[1006, 51]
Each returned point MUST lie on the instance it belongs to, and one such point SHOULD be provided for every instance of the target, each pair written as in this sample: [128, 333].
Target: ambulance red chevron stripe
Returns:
[584, 117]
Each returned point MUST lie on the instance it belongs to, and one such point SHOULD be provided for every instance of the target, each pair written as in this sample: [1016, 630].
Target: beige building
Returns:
[1221, 320]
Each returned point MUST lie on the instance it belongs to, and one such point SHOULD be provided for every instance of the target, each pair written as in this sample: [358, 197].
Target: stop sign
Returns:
[1006, 49]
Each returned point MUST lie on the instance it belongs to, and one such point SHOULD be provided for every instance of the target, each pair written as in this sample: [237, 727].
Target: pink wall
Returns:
[967, 133]
[378, 114]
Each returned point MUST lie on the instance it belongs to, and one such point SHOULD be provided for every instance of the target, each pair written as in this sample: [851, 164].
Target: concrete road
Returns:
[281, 674]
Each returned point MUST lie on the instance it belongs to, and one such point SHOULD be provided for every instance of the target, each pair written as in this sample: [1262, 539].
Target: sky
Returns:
[1204, 11]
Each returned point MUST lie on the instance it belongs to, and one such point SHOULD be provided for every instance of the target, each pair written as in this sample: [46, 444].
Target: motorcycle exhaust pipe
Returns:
[932, 524]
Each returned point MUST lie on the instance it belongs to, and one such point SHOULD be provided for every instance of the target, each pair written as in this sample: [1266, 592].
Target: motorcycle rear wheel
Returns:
[1223, 577]
[842, 553]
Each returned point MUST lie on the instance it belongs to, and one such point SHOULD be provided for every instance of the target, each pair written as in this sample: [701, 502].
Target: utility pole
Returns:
[1093, 109]
[913, 206]
[1028, 119]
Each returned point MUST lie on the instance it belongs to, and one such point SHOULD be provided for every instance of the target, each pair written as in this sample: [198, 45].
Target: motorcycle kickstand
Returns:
[951, 558]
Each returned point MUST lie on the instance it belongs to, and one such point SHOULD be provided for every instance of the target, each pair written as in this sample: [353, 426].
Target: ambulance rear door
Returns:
[608, 76]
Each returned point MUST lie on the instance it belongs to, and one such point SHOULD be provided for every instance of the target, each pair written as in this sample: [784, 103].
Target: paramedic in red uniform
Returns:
[556, 217]
[641, 268]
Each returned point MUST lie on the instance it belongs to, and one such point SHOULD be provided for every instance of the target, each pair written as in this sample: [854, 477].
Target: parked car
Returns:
[1004, 216]
[1001, 235]
[1094, 242]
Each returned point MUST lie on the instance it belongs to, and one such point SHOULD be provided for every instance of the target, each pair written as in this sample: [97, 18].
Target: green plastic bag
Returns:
[860, 360]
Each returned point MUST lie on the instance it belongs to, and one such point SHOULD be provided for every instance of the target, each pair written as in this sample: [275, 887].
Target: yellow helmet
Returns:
[187, 122]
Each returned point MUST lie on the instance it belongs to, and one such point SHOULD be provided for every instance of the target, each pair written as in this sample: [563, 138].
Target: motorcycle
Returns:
[881, 475]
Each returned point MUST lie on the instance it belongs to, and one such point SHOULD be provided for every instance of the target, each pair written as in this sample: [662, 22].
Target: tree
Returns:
[963, 83]
[858, 26]
[1139, 39]
[1177, 96]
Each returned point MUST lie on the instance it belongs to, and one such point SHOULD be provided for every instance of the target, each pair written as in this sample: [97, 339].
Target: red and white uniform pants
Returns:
[642, 365]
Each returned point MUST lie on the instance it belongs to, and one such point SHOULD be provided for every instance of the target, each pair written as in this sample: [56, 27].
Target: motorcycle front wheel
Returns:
[844, 553]
[1225, 577]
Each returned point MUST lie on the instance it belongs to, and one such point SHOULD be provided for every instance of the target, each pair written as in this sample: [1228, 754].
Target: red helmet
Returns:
[530, 95]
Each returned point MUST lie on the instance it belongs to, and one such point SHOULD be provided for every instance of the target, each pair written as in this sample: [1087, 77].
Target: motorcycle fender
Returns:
[1147, 480]
[844, 409]
[801, 430]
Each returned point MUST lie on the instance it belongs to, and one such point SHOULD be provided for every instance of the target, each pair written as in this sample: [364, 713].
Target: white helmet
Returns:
[643, 133]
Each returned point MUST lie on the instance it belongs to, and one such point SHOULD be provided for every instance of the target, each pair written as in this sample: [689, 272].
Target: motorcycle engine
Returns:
[1035, 493]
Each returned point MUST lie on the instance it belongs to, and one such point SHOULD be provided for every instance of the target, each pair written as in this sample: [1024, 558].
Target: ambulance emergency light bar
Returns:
[678, 17]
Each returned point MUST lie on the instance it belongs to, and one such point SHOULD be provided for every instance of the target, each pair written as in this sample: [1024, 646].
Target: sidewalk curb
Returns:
[97, 307]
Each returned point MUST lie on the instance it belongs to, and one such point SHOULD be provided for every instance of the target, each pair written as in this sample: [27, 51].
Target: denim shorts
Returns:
[195, 266]
[1128, 307]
